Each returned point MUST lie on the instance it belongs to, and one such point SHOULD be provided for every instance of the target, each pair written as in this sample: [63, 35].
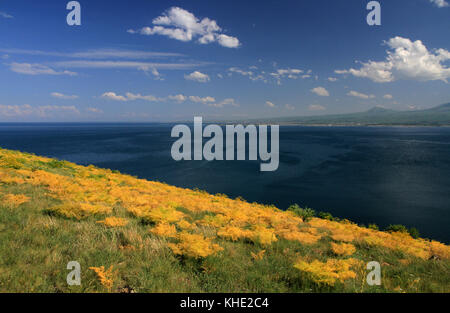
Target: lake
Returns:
[382, 175]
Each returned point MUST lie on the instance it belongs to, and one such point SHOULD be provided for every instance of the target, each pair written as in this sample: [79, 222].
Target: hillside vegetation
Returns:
[134, 235]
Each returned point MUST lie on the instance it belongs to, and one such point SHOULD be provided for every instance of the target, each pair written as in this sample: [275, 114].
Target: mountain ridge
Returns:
[376, 116]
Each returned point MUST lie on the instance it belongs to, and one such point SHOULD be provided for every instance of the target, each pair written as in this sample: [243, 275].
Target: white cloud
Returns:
[15, 110]
[63, 96]
[129, 97]
[37, 69]
[178, 98]
[270, 104]
[440, 3]
[211, 101]
[25, 110]
[228, 41]
[405, 60]
[182, 25]
[228, 101]
[289, 73]
[360, 95]
[320, 91]
[5, 15]
[250, 74]
[388, 96]
[113, 96]
[205, 100]
[198, 77]
[332, 79]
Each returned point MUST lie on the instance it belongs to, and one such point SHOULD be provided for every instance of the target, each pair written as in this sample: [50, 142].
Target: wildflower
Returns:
[263, 235]
[14, 201]
[302, 237]
[329, 272]
[164, 230]
[105, 276]
[114, 222]
[195, 246]
[343, 248]
[258, 256]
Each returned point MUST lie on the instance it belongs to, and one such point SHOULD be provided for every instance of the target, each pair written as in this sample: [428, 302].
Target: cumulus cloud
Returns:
[37, 69]
[320, 91]
[360, 95]
[182, 25]
[113, 96]
[388, 96]
[316, 107]
[440, 3]
[405, 60]
[332, 79]
[270, 104]
[198, 77]
[59, 95]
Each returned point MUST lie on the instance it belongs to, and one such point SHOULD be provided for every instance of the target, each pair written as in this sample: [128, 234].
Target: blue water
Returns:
[384, 175]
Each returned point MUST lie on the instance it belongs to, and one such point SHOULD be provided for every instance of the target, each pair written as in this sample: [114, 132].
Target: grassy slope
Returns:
[56, 221]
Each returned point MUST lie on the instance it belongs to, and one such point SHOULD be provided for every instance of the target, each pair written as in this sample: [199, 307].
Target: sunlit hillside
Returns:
[134, 235]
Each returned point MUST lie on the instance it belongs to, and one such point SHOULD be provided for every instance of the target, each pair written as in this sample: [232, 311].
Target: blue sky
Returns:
[170, 60]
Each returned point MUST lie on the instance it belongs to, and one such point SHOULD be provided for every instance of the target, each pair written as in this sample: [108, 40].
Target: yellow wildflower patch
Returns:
[105, 276]
[14, 201]
[194, 245]
[329, 272]
[343, 248]
[234, 233]
[164, 230]
[114, 222]
[264, 235]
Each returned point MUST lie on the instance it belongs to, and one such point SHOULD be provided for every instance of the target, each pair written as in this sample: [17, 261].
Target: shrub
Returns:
[326, 216]
[373, 227]
[306, 214]
[397, 228]
[414, 232]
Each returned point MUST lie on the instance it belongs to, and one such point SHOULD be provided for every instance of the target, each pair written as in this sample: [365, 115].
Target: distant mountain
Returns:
[440, 108]
[437, 116]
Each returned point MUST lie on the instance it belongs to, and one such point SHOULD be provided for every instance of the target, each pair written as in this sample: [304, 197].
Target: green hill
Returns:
[437, 116]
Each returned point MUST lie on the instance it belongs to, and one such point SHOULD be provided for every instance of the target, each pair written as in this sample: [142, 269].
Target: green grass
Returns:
[35, 249]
